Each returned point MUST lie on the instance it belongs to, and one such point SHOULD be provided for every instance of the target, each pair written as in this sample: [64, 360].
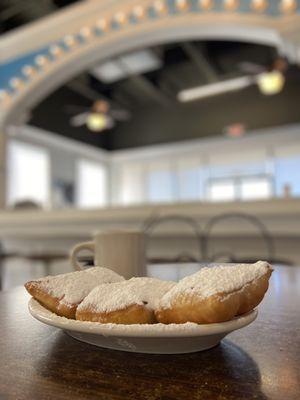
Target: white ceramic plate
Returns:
[156, 339]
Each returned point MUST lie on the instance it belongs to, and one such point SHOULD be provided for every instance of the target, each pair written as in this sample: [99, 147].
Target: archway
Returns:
[134, 26]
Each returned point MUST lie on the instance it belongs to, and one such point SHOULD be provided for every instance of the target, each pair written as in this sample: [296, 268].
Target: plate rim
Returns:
[139, 330]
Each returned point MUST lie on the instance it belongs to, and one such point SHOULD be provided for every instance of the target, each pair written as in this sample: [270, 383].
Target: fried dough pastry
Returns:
[63, 293]
[215, 294]
[128, 302]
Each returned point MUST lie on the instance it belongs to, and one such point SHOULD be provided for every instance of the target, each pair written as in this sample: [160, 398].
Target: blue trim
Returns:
[171, 7]
[132, 19]
[273, 8]
[14, 68]
[151, 13]
[194, 5]
[98, 31]
[219, 6]
[115, 25]
[245, 7]
[64, 46]
[80, 39]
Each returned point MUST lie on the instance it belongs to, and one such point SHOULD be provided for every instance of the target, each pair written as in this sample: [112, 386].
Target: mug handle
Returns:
[76, 249]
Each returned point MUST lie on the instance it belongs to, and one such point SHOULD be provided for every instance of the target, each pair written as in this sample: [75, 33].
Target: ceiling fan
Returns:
[279, 64]
[100, 117]
[270, 80]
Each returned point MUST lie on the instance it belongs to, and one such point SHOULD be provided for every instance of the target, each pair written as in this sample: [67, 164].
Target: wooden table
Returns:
[261, 361]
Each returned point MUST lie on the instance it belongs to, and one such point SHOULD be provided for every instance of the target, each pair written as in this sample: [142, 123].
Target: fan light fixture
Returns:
[96, 122]
[270, 82]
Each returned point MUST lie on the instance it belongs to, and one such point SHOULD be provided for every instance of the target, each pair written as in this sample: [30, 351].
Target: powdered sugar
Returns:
[117, 296]
[73, 287]
[210, 281]
[188, 329]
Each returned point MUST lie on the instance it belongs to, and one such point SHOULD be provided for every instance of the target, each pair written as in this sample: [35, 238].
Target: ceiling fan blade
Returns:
[251, 68]
[79, 119]
[73, 108]
[110, 123]
[120, 115]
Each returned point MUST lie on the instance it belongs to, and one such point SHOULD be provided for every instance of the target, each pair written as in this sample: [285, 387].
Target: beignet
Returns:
[215, 294]
[128, 302]
[63, 293]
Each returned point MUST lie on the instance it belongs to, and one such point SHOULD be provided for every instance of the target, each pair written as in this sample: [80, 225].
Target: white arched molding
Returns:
[148, 31]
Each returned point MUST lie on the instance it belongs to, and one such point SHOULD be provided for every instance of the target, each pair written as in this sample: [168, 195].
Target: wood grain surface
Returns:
[261, 361]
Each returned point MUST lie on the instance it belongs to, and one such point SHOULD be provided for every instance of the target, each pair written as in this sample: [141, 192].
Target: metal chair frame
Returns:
[235, 215]
[153, 222]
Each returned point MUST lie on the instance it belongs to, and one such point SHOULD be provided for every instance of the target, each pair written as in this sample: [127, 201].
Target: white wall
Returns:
[260, 145]
[127, 169]
[64, 153]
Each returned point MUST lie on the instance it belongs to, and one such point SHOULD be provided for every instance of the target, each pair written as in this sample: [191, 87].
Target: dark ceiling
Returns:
[15, 13]
[150, 96]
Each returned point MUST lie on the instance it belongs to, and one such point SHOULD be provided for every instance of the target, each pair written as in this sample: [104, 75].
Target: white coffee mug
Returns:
[121, 251]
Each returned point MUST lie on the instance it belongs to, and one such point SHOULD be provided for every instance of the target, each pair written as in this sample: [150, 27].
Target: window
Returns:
[241, 173]
[161, 185]
[238, 169]
[189, 184]
[287, 173]
[223, 190]
[91, 184]
[28, 174]
[240, 181]
[255, 189]
[240, 188]
[132, 184]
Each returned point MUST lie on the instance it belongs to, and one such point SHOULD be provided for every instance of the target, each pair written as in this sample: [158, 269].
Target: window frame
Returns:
[48, 174]
[77, 184]
[237, 183]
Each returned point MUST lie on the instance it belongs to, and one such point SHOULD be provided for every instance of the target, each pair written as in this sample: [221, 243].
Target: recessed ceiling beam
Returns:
[201, 62]
[84, 90]
[149, 89]
[81, 87]
[28, 9]
[143, 84]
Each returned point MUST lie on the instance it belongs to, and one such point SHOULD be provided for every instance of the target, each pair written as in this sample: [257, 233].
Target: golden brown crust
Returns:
[190, 309]
[52, 303]
[253, 293]
[134, 314]
[185, 307]
[217, 308]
